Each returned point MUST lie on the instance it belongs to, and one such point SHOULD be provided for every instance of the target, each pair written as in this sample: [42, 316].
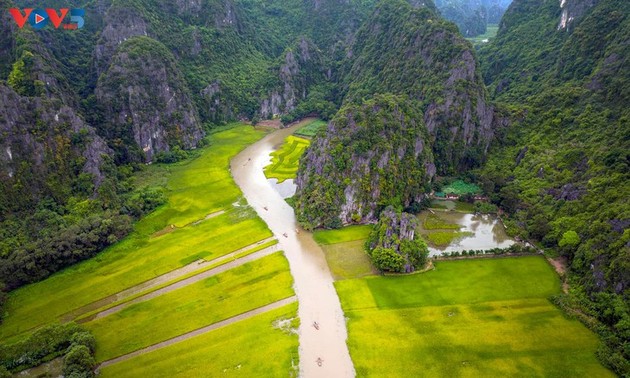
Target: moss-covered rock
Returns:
[372, 155]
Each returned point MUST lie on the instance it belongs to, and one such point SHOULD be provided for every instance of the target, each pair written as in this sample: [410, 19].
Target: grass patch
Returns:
[489, 35]
[345, 251]
[461, 282]
[284, 162]
[236, 291]
[311, 129]
[433, 222]
[466, 318]
[348, 260]
[255, 347]
[346, 234]
[195, 188]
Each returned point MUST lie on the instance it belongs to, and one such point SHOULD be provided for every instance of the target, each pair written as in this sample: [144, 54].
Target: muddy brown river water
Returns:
[317, 298]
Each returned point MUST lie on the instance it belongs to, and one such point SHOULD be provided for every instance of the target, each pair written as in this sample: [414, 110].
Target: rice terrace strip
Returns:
[185, 282]
[224, 251]
[200, 331]
[170, 278]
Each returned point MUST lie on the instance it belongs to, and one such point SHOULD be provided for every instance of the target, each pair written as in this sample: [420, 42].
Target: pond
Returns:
[452, 231]
[50, 369]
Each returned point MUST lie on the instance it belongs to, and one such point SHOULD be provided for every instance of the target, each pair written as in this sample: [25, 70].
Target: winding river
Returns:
[323, 352]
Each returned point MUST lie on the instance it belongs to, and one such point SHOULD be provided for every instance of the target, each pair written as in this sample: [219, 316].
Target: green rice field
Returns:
[466, 318]
[206, 302]
[311, 129]
[195, 188]
[346, 234]
[284, 162]
[256, 347]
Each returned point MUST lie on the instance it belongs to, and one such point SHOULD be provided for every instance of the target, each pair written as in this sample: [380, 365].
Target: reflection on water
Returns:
[488, 231]
[286, 188]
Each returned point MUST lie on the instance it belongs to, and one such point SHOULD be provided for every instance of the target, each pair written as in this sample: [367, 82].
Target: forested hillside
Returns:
[562, 171]
[384, 150]
[372, 155]
[141, 81]
[439, 69]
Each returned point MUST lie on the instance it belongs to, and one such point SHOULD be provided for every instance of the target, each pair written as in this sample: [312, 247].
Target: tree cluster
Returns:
[69, 340]
[393, 245]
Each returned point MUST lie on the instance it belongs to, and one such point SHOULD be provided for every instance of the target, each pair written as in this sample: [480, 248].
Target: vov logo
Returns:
[38, 18]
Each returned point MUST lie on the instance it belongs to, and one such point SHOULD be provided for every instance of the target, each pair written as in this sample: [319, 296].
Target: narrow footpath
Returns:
[185, 282]
[200, 331]
[170, 276]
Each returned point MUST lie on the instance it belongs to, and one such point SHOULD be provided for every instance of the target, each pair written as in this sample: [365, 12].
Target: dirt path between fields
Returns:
[157, 281]
[322, 332]
[185, 282]
[201, 331]
[560, 265]
[170, 228]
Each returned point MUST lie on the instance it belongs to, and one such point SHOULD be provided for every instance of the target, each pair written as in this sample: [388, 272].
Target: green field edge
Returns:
[207, 325]
[288, 312]
[87, 315]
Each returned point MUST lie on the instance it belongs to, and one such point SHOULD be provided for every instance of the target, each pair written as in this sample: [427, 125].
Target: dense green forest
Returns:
[562, 169]
[141, 81]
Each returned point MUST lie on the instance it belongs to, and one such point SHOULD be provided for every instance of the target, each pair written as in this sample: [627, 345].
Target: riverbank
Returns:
[318, 301]
[205, 275]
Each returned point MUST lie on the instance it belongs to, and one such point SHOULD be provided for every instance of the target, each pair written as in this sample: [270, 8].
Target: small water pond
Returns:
[453, 231]
[49, 370]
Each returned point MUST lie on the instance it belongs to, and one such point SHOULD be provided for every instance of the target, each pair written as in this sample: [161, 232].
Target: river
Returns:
[317, 298]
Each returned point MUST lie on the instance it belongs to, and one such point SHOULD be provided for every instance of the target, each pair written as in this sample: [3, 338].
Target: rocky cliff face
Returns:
[393, 245]
[372, 155]
[44, 145]
[144, 96]
[46, 148]
[572, 10]
[302, 67]
[7, 40]
[414, 52]
[216, 107]
[122, 23]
